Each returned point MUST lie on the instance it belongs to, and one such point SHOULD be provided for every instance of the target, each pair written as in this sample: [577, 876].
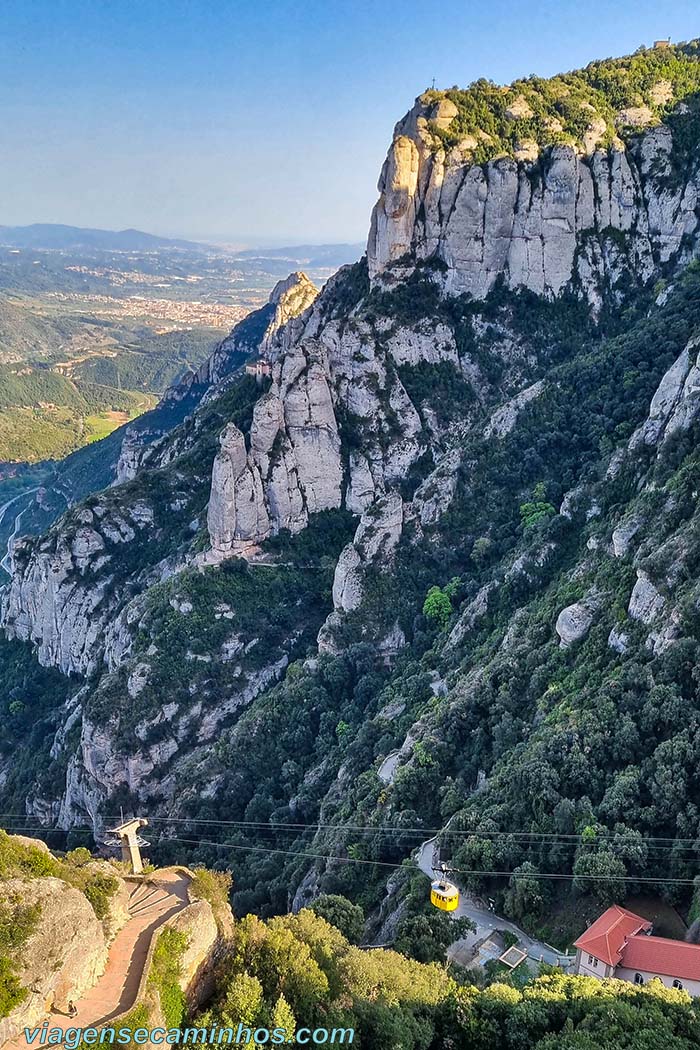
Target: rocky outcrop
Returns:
[135, 447]
[574, 622]
[62, 958]
[676, 404]
[474, 611]
[197, 978]
[290, 298]
[504, 419]
[376, 537]
[250, 337]
[646, 602]
[329, 381]
[59, 597]
[618, 639]
[129, 457]
[101, 764]
[624, 534]
[237, 510]
[293, 466]
[544, 222]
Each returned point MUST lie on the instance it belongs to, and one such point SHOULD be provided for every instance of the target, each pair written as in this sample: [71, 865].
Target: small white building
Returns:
[258, 368]
[621, 944]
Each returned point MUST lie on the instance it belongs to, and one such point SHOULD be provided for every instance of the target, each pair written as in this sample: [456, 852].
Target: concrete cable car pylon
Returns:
[127, 838]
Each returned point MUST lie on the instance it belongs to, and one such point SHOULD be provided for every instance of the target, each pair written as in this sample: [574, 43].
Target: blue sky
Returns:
[257, 121]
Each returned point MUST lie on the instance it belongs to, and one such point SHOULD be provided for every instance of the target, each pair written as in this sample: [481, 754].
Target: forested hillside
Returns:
[430, 580]
[298, 971]
[46, 415]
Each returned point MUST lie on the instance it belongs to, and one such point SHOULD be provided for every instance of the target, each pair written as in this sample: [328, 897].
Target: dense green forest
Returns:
[302, 971]
[299, 969]
[47, 414]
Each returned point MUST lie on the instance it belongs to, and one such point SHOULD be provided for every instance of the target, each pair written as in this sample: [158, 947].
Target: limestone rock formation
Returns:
[574, 622]
[434, 495]
[624, 534]
[293, 467]
[504, 419]
[676, 403]
[64, 955]
[236, 505]
[618, 640]
[129, 456]
[288, 299]
[473, 612]
[540, 231]
[59, 596]
[646, 602]
[376, 537]
[197, 966]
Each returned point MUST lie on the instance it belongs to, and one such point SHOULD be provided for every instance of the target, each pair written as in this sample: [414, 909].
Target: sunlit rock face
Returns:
[544, 222]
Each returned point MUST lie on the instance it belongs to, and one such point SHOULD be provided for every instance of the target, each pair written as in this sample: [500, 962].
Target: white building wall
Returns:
[597, 968]
[692, 987]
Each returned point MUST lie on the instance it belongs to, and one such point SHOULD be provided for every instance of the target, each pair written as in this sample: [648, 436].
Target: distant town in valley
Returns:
[95, 324]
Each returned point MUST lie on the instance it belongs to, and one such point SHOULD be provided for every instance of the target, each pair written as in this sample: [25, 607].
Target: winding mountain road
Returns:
[6, 562]
[486, 921]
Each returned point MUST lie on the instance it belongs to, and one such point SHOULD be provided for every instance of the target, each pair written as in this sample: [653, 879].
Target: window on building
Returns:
[677, 984]
[638, 979]
[592, 961]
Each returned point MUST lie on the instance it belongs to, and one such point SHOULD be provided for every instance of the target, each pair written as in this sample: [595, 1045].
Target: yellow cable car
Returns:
[444, 895]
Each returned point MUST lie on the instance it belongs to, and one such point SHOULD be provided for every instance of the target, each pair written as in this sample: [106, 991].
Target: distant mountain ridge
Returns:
[57, 235]
[310, 255]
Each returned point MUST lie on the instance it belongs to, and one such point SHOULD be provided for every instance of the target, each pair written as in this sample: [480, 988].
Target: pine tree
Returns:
[283, 1018]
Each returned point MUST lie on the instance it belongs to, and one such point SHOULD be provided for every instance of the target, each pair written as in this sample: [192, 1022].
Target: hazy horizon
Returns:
[234, 242]
[197, 119]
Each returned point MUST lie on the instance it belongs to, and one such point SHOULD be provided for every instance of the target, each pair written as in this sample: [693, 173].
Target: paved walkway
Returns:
[115, 992]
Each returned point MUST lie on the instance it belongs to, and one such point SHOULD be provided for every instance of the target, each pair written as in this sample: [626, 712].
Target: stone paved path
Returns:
[115, 992]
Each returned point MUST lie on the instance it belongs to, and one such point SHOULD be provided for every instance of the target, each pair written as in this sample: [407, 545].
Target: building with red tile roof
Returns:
[619, 944]
[606, 938]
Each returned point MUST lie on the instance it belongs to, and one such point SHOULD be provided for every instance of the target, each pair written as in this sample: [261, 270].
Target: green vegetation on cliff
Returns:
[22, 860]
[617, 94]
[523, 736]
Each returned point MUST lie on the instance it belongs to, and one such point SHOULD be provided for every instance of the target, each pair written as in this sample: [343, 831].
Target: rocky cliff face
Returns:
[337, 425]
[250, 338]
[65, 955]
[561, 217]
[59, 597]
[66, 951]
[288, 299]
[504, 447]
[293, 468]
[676, 403]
